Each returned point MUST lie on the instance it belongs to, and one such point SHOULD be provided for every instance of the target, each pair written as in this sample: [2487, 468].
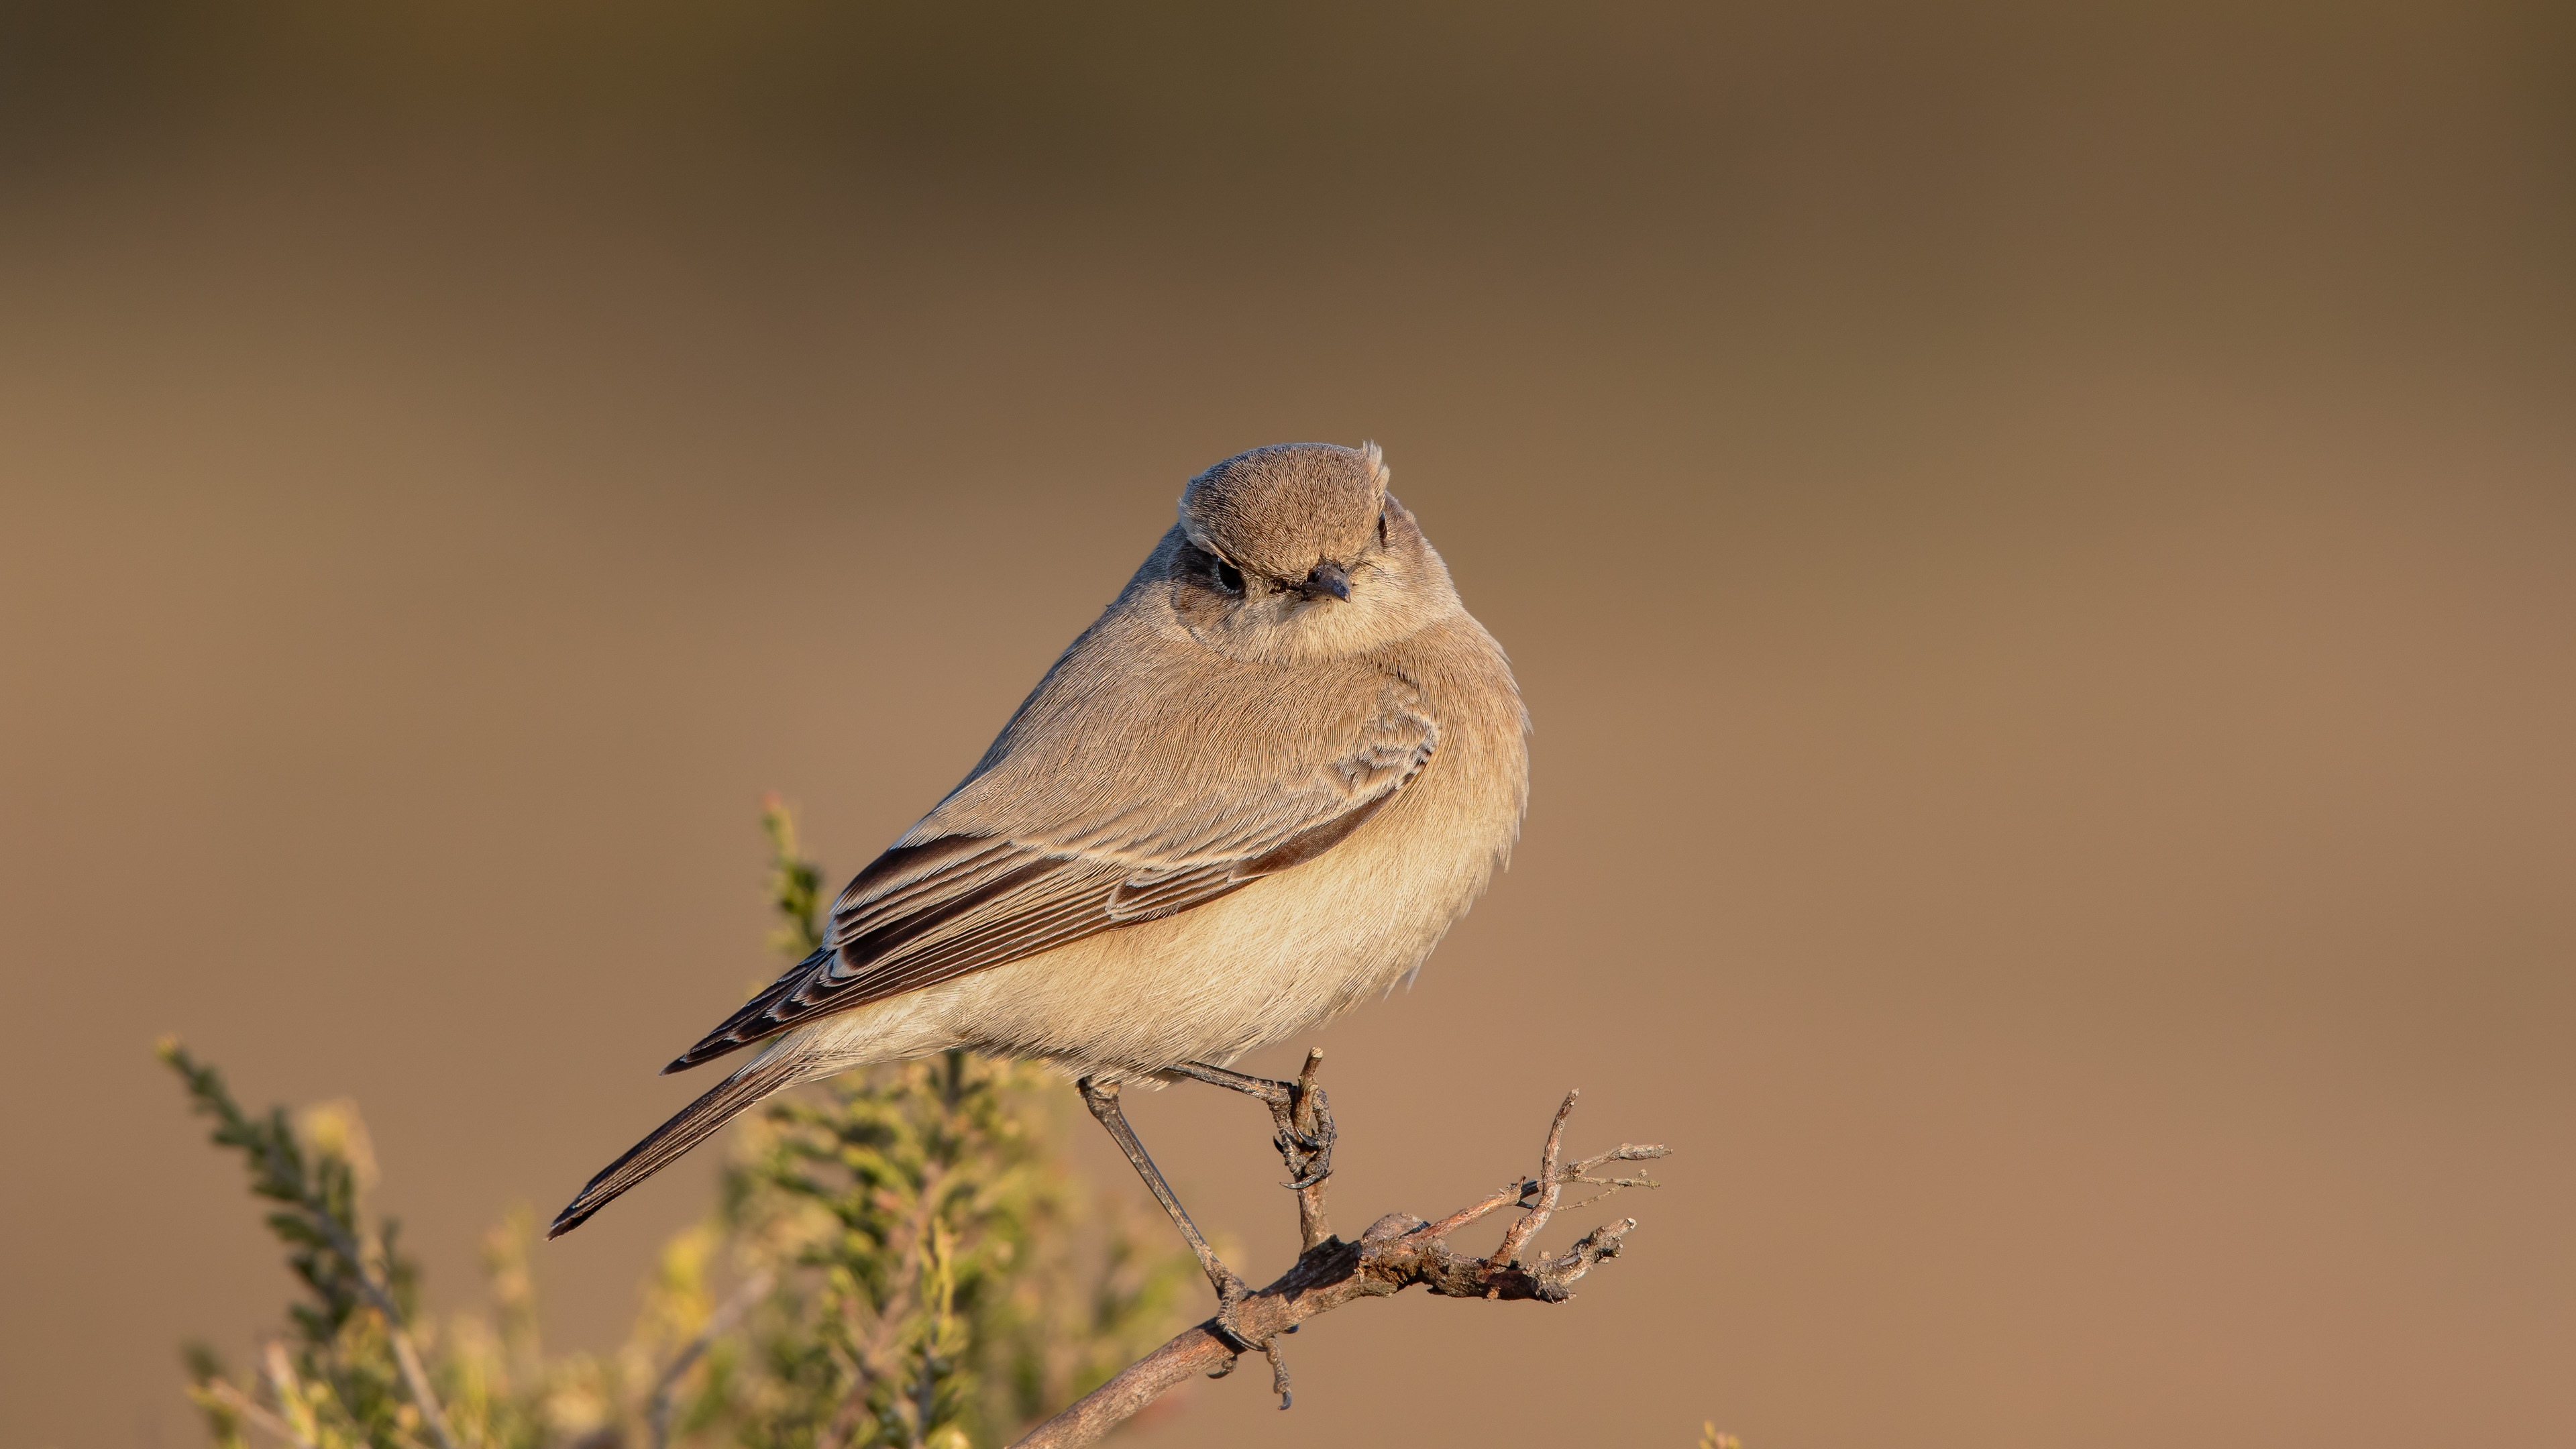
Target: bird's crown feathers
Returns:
[1285, 508]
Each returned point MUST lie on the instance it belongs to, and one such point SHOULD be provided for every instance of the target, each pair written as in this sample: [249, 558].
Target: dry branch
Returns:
[252, 1412]
[1310, 1119]
[1397, 1252]
[657, 1407]
[381, 1298]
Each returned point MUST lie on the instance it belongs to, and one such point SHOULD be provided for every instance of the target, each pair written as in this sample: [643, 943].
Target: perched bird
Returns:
[1255, 793]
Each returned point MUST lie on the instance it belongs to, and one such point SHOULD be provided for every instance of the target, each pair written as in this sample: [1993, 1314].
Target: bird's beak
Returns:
[1328, 578]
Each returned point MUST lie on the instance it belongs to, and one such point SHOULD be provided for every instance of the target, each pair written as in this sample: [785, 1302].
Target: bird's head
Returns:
[1297, 552]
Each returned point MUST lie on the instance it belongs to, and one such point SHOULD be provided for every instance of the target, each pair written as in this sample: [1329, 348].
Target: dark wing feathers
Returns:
[687, 1129]
[984, 902]
[968, 897]
[1000, 903]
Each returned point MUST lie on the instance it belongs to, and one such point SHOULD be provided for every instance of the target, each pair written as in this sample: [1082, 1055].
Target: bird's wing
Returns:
[1043, 846]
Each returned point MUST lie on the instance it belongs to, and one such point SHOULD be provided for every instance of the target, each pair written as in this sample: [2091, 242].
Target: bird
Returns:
[1255, 793]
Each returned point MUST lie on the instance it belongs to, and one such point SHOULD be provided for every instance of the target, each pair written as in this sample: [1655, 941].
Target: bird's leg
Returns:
[1102, 1098]
[1298, 1109]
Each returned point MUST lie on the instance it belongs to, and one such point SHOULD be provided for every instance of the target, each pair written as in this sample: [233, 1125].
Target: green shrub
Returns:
[899, 1258]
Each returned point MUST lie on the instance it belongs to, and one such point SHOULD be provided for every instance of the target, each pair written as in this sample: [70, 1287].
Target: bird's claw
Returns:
[1231, 1291]
[1315, 1166]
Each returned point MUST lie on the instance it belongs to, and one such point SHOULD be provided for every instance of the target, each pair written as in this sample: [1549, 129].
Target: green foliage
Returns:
[795, 886]
[930, 1219]
[901, 1260]
[348, 1378]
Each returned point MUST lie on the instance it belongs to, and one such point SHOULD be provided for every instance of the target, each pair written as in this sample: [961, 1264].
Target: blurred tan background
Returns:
[2041, 543]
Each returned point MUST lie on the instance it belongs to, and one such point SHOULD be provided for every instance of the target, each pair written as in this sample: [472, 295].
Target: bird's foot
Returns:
[1298, 1109]
[1304, 1117]
[1304, 1138]
[1231, 1293]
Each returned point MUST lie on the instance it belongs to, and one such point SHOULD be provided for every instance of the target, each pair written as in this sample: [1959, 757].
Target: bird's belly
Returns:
[1283, 954]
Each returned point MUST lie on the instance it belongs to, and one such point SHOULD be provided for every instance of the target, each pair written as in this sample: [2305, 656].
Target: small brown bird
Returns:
[1256, 792]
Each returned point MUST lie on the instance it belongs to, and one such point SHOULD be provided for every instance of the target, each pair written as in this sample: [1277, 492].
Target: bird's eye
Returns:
[1381, 525]
[1229, 576]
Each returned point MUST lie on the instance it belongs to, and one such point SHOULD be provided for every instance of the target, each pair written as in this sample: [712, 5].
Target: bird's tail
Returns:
[773, 1072]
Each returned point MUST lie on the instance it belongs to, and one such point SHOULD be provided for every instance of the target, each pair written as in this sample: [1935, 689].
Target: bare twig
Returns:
[252, 1412]
[1517, 1194]
[295, 1420]
[657, 1409]
[1313, 1120]
[1549, 1186]
[1507, 1197]
[1395, 1253]
[415, 1377]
